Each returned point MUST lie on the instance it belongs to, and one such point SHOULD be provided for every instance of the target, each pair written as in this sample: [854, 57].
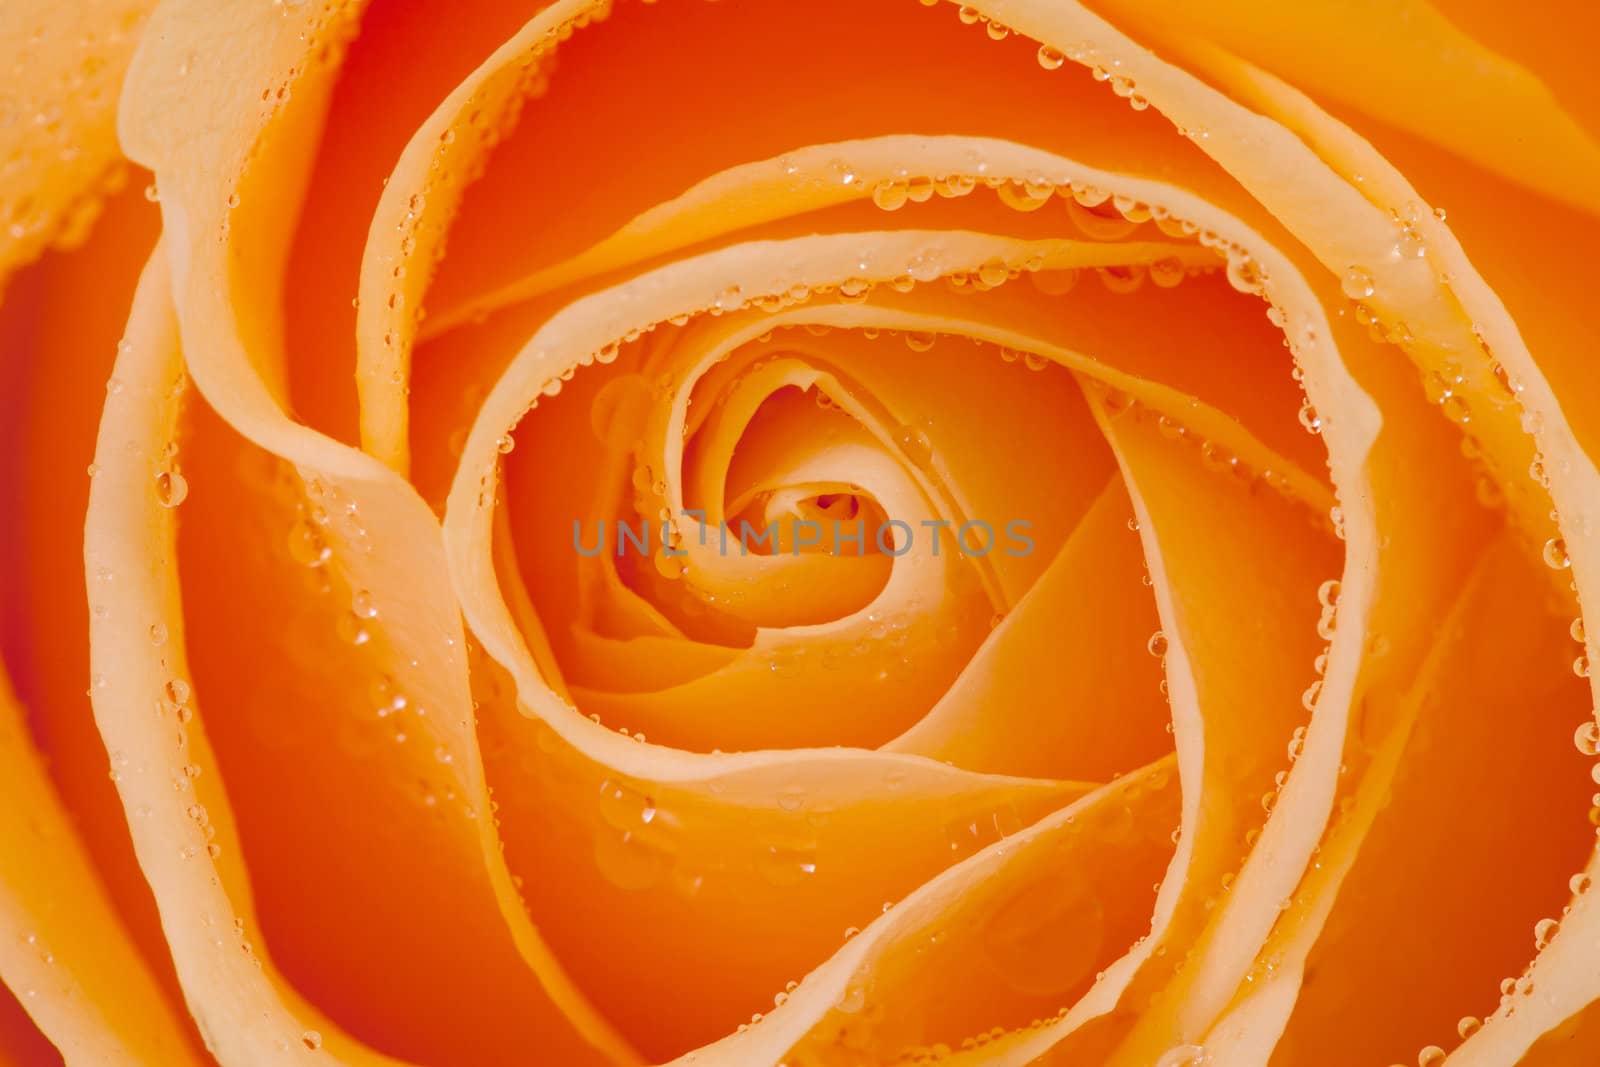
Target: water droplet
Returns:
[306, 545]
[1050, 58]
[177, 691]
[1357, 284]
[1411, 244]
[993, 273]
[891, 195]
[311, 1040]
[158, 633]
[1309, 418]
[1502, 377]
[915, 445]
[1122, 280]
[787, 863]
[1042, 940]
[1157, 645]
[1555, 554]
[1469, 1025]
[171, 489]
[1184, 1056]
[1456, 409]
[1580, 884]
[624, 807]
[1432, 1056]
[1545, 932]
[627, 861]
[669, 566]
[968, 835]
[1167, 272]
[854, 290]
[1024, 196]
[1587, 738]
[1053, 282]
[1244, 274]
[1537, 473]
[1115, 402]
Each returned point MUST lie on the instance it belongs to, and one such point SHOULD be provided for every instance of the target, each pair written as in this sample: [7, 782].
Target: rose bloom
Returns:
[327, 737]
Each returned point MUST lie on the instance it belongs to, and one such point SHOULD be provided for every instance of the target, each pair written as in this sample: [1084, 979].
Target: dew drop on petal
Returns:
[1167, 272]
[351, 630]
[172, 489]
[891, 195]
[306, 545]
[1357, 284]
[1309, 419]
[1587, 739]
[914, 445]
[786, 864]
[1555, 554]
[1184, 1056]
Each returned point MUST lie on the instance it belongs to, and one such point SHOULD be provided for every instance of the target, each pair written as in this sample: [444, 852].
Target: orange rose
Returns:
[844, 573]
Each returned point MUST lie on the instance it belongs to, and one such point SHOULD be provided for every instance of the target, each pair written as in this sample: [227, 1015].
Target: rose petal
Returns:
[58, 136]
[66, 951]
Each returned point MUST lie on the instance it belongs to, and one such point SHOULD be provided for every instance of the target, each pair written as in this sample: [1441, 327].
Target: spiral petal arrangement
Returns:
[807, 532]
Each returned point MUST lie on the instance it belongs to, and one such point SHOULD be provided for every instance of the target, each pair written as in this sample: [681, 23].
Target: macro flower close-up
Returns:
[799, 533]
